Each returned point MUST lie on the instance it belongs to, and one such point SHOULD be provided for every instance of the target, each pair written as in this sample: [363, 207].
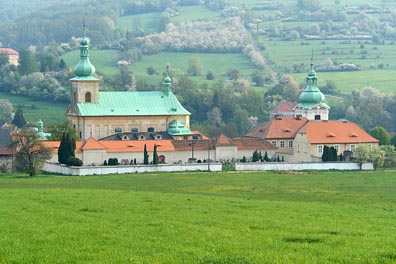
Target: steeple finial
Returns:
[312, 55]
[84, 26]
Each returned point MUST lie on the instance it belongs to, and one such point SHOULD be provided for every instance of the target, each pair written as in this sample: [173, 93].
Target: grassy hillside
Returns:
[105, 63]
[326, 217]
[34, 110]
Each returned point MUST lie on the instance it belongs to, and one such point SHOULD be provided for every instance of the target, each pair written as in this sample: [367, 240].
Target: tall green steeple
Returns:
[84, 68]
[311, 95]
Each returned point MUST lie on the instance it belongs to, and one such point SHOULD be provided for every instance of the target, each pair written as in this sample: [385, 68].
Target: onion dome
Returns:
[84, 68]
[311, 93]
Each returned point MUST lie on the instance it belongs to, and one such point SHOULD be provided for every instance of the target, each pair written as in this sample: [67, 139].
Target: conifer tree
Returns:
[155, 155]
[146, 156]
[19, 120]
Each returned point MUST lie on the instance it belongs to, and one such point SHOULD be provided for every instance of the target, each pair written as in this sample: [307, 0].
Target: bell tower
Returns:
[85, 86]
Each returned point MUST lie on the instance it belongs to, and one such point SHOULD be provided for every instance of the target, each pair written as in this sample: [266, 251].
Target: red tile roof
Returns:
[8, 51]
[224, 141]
[92, 144]
[137, 145]
[282, 128]
[336, 132]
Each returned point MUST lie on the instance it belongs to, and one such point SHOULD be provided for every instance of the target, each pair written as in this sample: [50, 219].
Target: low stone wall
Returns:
[100, 170]
[283, 166]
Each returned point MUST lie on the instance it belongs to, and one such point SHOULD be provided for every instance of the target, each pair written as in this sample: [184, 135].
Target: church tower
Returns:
[85, 86]
[311, 101]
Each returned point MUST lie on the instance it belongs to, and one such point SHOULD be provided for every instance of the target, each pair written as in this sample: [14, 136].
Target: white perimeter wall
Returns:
[99, 170]
[276, 166]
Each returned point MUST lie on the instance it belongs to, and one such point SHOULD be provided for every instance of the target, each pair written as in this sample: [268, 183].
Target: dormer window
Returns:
[125, 137]
[141, 137]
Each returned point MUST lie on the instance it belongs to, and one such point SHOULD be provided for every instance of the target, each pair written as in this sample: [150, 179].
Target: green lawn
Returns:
[34, 110]
[312, 217]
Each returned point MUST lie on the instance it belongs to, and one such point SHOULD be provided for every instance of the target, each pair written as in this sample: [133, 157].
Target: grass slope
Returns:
[327, 217]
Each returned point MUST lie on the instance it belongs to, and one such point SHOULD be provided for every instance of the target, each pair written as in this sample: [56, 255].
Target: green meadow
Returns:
[34, 110]
[105, 61]
[226, 218]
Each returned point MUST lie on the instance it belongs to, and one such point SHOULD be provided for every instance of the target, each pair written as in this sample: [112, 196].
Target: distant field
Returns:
[149, 22]
[218, 63]
[227, 218]
[346, 82]
[34, 110]
[105, 63]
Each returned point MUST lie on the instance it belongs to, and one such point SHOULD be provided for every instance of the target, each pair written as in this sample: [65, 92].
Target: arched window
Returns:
[88, 97]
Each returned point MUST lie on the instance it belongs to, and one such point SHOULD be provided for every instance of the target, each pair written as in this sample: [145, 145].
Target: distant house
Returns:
[280, 132]
[342, 135]
[13, 56]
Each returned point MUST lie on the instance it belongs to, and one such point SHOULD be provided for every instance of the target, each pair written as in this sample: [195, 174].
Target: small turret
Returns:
[311, 94]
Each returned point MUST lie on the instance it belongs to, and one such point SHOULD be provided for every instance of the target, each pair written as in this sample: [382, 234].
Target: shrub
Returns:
[73, 161]
[112, 161]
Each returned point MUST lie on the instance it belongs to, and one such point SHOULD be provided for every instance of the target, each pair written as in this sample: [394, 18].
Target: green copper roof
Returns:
[311, 95]
[135, 103]
[84, 68]
[176, 128]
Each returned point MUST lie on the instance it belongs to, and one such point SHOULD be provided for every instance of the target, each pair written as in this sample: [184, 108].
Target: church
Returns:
[138, 114]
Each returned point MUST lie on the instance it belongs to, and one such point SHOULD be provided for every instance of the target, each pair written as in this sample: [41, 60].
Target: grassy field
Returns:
[312, 217]
[105, 62]
[34, 110]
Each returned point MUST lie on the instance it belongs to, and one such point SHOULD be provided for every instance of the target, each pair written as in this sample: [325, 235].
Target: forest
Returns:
[276, 39]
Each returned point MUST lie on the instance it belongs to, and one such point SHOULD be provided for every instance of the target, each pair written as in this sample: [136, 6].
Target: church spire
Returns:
[311, 94]
[167, 81]
[84, 68]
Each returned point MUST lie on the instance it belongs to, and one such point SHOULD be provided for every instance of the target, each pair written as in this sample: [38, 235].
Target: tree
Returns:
[145, 155]
[381, 134]
[241, 120]
[194, 66]
[308, 5]
[393, 140]
[19, 120]
[28, 62]
[66, 151]
[163, 21]
[258, 78]
[155, 155]
[390, 155]
[210, 75]
[6, 110]
[151, 70]
[377, 156]
[361, 154]
[233, 74]
[58, 129]
[255, 156]
[31, 153]
[62, 64]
